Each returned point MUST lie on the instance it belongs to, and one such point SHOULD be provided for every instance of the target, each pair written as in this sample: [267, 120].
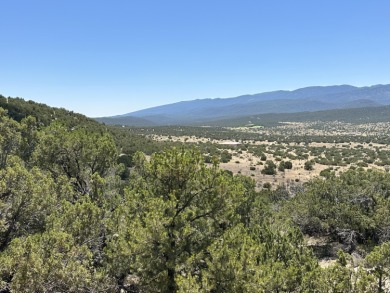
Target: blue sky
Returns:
[105, 58]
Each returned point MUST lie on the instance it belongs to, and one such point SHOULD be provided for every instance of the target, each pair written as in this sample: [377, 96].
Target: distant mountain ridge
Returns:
[308, 99]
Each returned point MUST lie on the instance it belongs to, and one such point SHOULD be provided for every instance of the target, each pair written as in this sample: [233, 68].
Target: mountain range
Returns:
[209, 111]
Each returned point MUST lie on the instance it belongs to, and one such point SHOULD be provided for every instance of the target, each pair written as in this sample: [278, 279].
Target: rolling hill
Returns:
[351, 115]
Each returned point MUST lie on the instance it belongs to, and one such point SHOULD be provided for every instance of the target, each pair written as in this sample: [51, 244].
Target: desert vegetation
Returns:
[89, 208]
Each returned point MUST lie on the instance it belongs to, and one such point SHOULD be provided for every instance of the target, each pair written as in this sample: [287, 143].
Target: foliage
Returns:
[75, 153]
[225, 157]
[379, 260]
[347, 207]
[18, 109]
[50, 262]
[175, 208]
[27, 197]
[309, 165]
[77, 217]
[269, 168]
[245, 261]
[267, 185]
[10, 137]
[328, 172]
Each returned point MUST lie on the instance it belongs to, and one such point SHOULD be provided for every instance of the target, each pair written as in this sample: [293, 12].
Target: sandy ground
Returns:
[241, 163]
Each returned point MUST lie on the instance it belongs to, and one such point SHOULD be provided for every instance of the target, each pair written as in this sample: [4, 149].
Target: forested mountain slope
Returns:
[18, 109]
[354, 115]
[203, 111]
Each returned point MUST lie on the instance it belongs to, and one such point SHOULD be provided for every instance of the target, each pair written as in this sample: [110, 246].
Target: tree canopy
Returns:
[78, 214]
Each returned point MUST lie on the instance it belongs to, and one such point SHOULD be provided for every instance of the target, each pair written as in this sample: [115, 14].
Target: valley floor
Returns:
[244, 161]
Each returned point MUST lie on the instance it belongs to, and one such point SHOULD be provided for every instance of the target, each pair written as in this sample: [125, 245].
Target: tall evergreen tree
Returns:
[175, 209]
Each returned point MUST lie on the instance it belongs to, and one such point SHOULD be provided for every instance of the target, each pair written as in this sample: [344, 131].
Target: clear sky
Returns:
[101, 57]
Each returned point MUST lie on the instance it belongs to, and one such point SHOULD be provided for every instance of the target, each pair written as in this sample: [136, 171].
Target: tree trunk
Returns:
[380, 281]
[171, 261]
[172, 286]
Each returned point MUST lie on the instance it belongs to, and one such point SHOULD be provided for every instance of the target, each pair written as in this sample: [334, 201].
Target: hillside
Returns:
[19, 108]
[204, 111]
[354, 115]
